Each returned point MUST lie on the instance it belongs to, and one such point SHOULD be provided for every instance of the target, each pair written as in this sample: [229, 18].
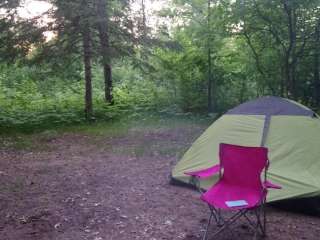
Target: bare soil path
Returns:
[74, 186]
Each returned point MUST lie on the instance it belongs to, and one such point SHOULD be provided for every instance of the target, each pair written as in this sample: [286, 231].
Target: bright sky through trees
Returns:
[32, 8]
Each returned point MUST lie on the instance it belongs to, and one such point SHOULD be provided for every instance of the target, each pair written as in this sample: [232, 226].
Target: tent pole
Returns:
[265, 130]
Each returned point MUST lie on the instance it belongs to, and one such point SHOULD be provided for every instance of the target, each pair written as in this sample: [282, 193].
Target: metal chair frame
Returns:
[258, 226]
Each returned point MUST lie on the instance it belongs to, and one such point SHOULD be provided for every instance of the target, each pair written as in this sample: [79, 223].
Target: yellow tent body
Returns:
[289, 130]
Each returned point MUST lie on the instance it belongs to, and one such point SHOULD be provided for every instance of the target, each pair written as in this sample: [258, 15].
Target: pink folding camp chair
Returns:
[239, 187]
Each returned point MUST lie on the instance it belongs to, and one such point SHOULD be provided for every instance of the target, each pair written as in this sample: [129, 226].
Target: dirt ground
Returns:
[75, 186]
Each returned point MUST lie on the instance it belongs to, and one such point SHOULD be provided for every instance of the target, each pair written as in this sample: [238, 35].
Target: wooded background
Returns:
[107, 59]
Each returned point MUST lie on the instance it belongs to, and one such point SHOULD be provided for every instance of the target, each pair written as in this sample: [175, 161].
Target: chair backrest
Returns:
[242, 166]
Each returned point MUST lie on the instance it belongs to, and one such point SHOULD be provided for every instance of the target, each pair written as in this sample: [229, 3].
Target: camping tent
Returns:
[288, 129]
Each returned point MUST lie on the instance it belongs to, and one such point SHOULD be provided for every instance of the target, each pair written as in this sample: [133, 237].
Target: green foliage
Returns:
[28, 104]
[252, 53]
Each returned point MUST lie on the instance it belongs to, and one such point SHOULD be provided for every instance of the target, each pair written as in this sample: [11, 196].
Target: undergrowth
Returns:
[38, 139]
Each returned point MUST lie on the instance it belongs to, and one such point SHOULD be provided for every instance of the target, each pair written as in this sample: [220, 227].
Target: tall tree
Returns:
[103, 28]
[210, 77]
[316, 68]
[281, 30]
[85, 29]
[87, 59]
[74, 36]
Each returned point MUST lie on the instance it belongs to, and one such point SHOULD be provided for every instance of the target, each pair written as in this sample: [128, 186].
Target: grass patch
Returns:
[17, 142]
[39, 140]
[141, 122]
[172, 151]
[23, 142]
[29, 142]
[110, 128]
[151, 148]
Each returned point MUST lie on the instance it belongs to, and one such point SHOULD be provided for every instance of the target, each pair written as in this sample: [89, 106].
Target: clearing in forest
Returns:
[110, 181]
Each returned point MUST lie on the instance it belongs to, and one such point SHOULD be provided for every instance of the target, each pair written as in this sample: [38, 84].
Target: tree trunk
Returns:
[290, 55]
[107, 71]
[210, 85]
[105, 48]
[144, 20]
[317, 66]
[210, 105]
[87, 55]
[282, 82]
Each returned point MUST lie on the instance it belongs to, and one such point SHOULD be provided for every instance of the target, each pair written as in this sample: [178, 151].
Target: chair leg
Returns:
[264, 232]
[220, 220]
[228, 222]
[217, 215]
[259, 227]
[261, 220]
[207, 228]
[255, 235]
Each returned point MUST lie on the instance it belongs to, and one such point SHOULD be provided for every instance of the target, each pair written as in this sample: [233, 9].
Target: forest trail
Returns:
[113, 186]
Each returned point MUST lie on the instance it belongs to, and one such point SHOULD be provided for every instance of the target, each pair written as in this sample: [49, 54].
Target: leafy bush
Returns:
[26, 103]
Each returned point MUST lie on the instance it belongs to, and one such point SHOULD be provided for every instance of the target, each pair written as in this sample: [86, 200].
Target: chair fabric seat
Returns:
[220, 193]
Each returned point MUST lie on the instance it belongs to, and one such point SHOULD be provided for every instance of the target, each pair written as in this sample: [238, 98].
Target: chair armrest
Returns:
[205, 173]
[269, 184]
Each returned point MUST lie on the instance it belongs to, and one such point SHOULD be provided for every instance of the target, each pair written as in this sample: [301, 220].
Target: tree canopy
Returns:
[189, 56]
